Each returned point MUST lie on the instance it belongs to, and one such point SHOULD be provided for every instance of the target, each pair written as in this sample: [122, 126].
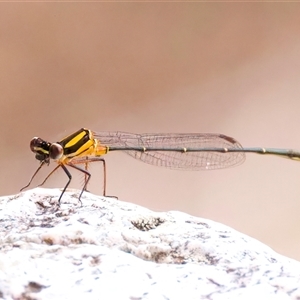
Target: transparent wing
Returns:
[173, 157]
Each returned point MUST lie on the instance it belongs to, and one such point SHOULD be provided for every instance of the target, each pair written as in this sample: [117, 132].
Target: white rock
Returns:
[109, 249]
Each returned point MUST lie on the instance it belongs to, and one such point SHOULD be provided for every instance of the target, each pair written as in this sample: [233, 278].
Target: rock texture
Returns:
[109, 249]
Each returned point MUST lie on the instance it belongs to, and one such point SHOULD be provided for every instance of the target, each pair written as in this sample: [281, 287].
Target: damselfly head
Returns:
[44, 151]
[40, 148]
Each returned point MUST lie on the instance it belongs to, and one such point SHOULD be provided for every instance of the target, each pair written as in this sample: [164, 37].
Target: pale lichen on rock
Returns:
[109, 249]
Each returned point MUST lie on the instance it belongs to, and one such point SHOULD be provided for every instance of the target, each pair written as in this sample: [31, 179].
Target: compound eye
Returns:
[56, 151]
[35, 143]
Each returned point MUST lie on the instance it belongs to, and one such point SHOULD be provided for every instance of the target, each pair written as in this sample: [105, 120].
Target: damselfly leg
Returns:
[73, 164]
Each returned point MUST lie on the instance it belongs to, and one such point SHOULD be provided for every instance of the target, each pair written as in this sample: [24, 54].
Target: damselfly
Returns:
[181, 151]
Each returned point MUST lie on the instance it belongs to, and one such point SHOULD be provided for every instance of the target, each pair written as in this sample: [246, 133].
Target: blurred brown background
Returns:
[231, 68]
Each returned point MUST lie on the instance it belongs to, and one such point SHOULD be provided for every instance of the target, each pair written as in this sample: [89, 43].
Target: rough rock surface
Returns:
[109, 249]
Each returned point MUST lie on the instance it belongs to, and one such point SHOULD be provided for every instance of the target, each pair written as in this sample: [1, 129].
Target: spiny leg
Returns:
[86, 164]
[26, 186]
[49, 175]
[86, 161]
[104, 176]
[95, 159]
[70, 178]
[87, 174]
[104, 172]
